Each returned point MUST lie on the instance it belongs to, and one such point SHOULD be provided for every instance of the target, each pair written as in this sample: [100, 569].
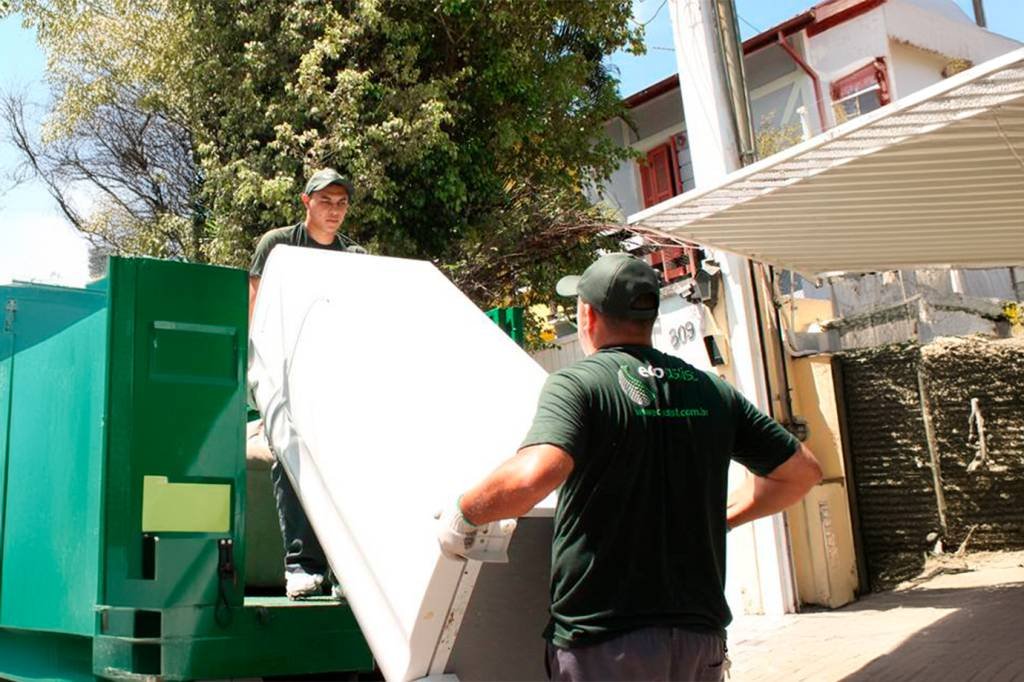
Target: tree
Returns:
[469, 127]
[110, 136]
[138, 167]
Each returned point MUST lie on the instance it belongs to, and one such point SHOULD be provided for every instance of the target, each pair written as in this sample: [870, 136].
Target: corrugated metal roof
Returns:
[934, 179]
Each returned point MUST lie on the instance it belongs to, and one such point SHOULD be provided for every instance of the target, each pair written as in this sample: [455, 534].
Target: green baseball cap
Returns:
[617, 285]
[325, 177]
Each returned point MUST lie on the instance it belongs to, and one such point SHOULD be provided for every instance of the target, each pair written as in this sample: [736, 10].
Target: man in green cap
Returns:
[326, 198]
[640, 443]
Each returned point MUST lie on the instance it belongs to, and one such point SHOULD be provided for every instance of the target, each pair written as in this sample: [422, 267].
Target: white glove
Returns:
[460, 538]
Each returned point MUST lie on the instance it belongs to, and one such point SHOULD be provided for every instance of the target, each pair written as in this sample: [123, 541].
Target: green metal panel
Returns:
[28, 656]
[176, 408]
[6, 364]
[269, 636]
[54, 369]
[99, 389]
[510, 320]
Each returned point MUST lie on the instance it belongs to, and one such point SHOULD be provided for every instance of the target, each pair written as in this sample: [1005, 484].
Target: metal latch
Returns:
[226, 559]
[222, 612]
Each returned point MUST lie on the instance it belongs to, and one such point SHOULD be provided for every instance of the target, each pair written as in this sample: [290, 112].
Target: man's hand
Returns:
[760, 496]
[460, 538]
[454, 532]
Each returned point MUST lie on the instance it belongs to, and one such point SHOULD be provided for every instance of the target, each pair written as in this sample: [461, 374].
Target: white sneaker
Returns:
[299, 584]
[337, 593]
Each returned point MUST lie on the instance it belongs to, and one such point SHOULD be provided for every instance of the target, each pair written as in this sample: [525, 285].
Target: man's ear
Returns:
[586, 318]
[305, 200]
[589, 313]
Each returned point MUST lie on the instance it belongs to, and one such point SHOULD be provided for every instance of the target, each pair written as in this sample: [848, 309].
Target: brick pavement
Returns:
[964, 626]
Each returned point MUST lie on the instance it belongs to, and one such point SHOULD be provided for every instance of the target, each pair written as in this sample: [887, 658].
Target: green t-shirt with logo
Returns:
[639, 531]
[293, 235]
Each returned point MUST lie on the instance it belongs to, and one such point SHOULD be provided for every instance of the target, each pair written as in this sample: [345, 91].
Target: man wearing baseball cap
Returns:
[639, 443]
[326, 198]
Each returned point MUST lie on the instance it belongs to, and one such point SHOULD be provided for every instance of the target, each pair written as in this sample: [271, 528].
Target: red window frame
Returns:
[661, 172]
[875, 73]
[658, 174]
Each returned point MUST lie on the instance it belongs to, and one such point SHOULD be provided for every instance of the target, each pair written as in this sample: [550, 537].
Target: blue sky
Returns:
[36, 243]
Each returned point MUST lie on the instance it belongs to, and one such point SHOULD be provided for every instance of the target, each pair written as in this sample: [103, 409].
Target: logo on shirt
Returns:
[635, 388]
[670, 373]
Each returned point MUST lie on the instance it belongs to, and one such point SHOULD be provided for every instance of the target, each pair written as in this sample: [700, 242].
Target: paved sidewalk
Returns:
[963, 626]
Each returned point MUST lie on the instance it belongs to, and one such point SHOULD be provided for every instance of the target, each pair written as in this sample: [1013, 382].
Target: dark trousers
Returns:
[656, 654]
[302, 550]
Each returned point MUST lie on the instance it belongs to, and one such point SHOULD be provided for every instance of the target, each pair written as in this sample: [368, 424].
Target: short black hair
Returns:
[630, 325]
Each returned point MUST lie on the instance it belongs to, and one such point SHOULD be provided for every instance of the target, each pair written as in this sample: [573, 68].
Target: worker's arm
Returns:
[254, 287]
[516, 486]
[764, 495]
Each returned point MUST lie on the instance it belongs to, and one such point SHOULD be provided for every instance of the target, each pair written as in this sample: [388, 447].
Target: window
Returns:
[667, 171]
[864, 90]
[658, 175]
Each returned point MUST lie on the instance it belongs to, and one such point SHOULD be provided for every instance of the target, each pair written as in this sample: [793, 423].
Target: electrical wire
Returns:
[748, 23]
[653, 17]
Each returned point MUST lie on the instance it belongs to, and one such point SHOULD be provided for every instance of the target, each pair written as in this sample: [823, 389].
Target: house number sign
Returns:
[684, 333]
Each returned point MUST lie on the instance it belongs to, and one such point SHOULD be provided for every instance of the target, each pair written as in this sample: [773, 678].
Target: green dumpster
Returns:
[122, 488]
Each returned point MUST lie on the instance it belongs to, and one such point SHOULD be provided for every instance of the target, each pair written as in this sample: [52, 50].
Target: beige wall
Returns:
[824, 563]
[813, 397]
[821, 534]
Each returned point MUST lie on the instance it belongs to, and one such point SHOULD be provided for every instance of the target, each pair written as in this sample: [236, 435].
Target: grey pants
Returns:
[651, 654]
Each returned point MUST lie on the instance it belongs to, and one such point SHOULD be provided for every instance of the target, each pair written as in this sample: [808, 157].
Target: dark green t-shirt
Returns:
[293, 235]
[639, 532]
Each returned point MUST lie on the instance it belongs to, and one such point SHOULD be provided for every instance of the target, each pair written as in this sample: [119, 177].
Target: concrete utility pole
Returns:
[716, 151]
[709, 61]
[707, 106]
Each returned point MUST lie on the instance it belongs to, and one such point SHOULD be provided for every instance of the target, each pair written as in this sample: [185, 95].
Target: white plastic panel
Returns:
[386, 392]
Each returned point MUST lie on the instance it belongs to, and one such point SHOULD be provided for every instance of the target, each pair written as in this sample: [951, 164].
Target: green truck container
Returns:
[122, 488]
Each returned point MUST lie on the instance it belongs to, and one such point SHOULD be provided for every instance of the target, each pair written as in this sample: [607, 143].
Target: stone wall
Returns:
[892, 463]
[989, 498]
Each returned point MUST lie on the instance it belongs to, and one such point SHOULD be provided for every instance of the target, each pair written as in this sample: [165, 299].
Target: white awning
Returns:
[934, 179]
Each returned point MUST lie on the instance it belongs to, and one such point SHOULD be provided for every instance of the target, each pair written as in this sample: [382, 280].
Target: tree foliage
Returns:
[470, 127]
[772, 139]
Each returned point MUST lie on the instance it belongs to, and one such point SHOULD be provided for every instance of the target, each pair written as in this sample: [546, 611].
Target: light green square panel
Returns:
[185, 507]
